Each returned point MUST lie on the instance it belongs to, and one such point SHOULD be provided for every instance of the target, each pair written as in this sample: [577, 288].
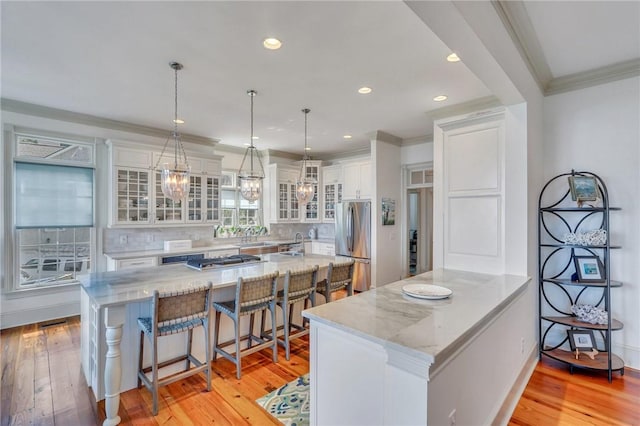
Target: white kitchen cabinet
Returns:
[332, 191]
[137, 197]
[130, 196]
[357, 180]
[327, 249]
[133, 263]
[279, 197]
[312, 211]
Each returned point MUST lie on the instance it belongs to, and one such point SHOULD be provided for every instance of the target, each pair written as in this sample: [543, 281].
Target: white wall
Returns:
[386, 261]
[418, 153]
[597, 129]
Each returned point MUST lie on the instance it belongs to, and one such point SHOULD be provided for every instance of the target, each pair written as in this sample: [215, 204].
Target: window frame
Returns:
[237, 209]
[11, 245]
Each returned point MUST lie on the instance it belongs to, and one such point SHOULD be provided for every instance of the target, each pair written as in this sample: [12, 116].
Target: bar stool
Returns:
[172, 313]
[298, 286]
[339, 276]
[253, 295]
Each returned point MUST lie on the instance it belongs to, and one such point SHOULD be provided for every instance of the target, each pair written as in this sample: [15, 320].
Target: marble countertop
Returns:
[202, 249]
[121, 287]
[428, 329]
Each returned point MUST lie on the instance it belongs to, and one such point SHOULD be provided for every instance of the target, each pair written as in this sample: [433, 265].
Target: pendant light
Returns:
[174, 177]
[305, 186]
[250, 178]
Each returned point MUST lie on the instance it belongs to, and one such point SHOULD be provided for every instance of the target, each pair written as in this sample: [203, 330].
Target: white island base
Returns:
[384, 358]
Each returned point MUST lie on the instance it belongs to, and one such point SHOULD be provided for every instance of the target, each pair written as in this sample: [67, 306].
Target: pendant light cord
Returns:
[175, 117]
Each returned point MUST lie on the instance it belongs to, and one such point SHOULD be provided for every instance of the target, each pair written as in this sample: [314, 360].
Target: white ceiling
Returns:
[585, 35]
[110, 59]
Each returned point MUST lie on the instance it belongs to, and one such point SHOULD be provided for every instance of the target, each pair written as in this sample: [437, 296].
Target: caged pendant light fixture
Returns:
[250, 176]
[174, 179]
[305, 186]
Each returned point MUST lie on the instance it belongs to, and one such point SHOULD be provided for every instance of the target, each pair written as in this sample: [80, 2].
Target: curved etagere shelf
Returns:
[556, 218]
[575, 323]
[577, 246]
[599, 363]
[581, 283]
[578, 209]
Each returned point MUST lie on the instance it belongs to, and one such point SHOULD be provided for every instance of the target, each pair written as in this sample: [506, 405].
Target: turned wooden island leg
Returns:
[113, 321]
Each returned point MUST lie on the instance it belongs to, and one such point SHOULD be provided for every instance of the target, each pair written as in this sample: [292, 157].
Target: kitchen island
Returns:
[385, 358]
[112, 301]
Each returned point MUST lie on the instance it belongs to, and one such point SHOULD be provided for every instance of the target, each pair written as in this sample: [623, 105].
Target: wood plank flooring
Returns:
[42, 384]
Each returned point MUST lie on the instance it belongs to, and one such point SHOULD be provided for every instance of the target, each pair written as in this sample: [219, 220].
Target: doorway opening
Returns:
[419, 230]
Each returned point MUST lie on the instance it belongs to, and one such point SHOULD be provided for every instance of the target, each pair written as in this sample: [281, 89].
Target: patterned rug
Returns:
[290, 403]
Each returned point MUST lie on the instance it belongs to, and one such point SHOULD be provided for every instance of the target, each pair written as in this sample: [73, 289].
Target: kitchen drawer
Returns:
[327, 249]
[135, 263]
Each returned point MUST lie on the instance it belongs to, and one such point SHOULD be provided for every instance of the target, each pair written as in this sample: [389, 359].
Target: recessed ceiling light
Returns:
[246, 144]
[347, 137]
[307, 149]
[364, 90]
[440, 98]
[453, 58]
[272, 43]
[255, 137]
[178, 121]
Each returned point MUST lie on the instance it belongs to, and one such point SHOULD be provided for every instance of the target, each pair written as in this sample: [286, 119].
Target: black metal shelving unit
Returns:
[558, 215]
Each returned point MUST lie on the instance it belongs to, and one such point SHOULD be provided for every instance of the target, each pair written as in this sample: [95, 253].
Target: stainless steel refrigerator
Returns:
[353, 239]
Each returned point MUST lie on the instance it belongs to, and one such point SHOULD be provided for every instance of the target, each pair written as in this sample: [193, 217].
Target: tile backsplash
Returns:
[118, 240]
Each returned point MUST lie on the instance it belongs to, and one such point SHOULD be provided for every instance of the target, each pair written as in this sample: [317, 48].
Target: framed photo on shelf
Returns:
[583, 188]
[589, 269]
[582, 340]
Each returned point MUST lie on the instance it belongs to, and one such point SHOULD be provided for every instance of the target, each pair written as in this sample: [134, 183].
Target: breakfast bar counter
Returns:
[409, 360]
[112, 301]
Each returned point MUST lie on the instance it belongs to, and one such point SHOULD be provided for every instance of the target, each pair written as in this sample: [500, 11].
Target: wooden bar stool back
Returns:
[339, 276]
[172, 313]
[253, 295]
[299, 286]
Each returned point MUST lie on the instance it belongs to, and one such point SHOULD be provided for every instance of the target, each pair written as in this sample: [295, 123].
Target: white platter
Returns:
[426, 291]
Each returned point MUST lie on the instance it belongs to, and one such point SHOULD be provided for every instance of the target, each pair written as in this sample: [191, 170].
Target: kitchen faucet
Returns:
[301, 243]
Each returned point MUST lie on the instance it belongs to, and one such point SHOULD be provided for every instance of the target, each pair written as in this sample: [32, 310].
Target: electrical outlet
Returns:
[452, 417]
[522, 345]
[123, 239]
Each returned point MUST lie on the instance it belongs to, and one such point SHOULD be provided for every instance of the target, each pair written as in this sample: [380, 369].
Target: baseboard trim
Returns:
[38, 314]
[630, 355]
[513, 396]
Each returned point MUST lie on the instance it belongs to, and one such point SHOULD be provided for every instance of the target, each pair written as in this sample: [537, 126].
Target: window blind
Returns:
[49, 195]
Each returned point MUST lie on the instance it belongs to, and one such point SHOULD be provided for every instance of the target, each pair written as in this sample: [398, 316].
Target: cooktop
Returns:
[220, 262]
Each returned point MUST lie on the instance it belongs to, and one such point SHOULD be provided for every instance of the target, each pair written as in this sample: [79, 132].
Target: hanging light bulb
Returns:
[251, 179]
[174, 177]
[305, 186]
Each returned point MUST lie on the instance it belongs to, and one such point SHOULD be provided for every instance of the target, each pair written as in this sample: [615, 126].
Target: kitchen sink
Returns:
[256, 244]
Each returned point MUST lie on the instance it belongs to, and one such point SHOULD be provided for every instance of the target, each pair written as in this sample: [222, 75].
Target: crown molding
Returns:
[515, 19]
[418, 140]
[382, 136]
[594, 77]
[346, 154]
[474, 105]
[91, 120]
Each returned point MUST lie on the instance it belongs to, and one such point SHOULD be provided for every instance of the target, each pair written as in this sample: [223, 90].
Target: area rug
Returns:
[289, 403]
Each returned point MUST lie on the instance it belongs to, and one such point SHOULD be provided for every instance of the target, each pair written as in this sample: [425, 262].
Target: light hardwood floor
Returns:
[42, 384]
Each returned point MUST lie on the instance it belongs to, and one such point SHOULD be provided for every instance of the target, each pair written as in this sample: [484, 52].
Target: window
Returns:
[52, 256]
[53, 211]
[236, 211]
